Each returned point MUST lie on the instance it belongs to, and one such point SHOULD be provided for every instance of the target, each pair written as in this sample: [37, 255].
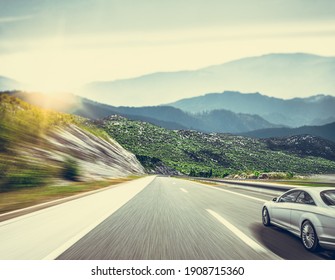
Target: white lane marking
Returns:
[183, 190]
[247, 240]
[240, 194]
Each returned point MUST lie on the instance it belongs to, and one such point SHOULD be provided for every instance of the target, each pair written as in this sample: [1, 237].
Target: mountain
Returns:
[200, 154]
[224, 121]
[165, 116]
[9, 84]
[280, 75]
[38, 145]
[303, 145]
[325, 131]
[318, 109]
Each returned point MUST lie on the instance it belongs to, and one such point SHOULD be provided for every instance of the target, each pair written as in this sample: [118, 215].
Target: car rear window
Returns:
[328, 197]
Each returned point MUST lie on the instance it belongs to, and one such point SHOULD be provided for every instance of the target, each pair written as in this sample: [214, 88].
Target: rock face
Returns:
[97, 157]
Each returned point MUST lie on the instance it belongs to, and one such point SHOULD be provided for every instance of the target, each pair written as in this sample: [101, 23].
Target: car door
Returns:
[303, 204]
[281, 210]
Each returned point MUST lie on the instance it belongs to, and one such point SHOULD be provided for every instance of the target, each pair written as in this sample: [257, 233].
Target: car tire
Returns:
[309, 237]
[266, 217]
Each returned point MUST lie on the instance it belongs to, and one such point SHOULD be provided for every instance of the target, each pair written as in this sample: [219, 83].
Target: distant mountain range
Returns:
[222, 121]
[280, 75]
[325, 131]
[283, 75]
[318, 109]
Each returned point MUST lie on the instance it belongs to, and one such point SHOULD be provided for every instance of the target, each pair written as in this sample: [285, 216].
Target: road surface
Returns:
[154, 218]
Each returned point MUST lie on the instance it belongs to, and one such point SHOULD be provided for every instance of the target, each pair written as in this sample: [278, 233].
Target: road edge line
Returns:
[57, 252]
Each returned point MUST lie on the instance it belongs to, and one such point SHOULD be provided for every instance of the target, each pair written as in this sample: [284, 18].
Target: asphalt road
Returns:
[178, 219]
[154, 218]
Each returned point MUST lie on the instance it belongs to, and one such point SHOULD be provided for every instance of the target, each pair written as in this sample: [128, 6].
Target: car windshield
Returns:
[328, 197]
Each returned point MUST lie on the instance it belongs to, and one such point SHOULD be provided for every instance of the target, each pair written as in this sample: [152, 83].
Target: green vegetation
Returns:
[199, 154]
[17, 199]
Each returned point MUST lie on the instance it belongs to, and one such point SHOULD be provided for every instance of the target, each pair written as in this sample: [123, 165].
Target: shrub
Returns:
[71, 169]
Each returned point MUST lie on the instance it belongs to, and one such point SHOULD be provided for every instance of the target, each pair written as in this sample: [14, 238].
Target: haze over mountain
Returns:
[316, 110]
[279, 75]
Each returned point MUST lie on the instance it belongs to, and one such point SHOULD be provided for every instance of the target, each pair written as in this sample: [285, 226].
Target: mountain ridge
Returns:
[296, 74]
[290, 112]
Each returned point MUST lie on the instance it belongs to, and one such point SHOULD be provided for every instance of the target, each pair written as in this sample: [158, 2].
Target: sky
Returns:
[61, 45]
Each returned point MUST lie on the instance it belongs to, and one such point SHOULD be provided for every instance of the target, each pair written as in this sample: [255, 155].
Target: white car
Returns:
[307, 212]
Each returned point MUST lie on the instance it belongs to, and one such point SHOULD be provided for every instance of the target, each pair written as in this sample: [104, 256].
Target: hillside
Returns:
[325, 131]
[222, 121]
[38, 146]
[278, 75]
[289, 112]
[200, 154]
[303, 145]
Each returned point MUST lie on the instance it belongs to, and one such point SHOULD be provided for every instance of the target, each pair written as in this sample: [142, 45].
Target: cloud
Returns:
[14, 18]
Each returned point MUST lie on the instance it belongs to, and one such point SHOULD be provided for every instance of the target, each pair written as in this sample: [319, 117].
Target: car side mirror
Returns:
[275, 199]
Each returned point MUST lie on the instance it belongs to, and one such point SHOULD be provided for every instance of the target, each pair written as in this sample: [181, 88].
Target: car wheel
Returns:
[309, 237]
[265, 217]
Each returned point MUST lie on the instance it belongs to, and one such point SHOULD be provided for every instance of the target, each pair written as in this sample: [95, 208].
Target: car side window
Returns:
[289, 197]
[305, 198]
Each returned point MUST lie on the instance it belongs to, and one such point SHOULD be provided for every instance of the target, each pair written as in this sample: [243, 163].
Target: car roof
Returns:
[315, 192]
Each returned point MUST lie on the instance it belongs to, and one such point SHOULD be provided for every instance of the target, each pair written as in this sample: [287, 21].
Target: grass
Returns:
[18, 199]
